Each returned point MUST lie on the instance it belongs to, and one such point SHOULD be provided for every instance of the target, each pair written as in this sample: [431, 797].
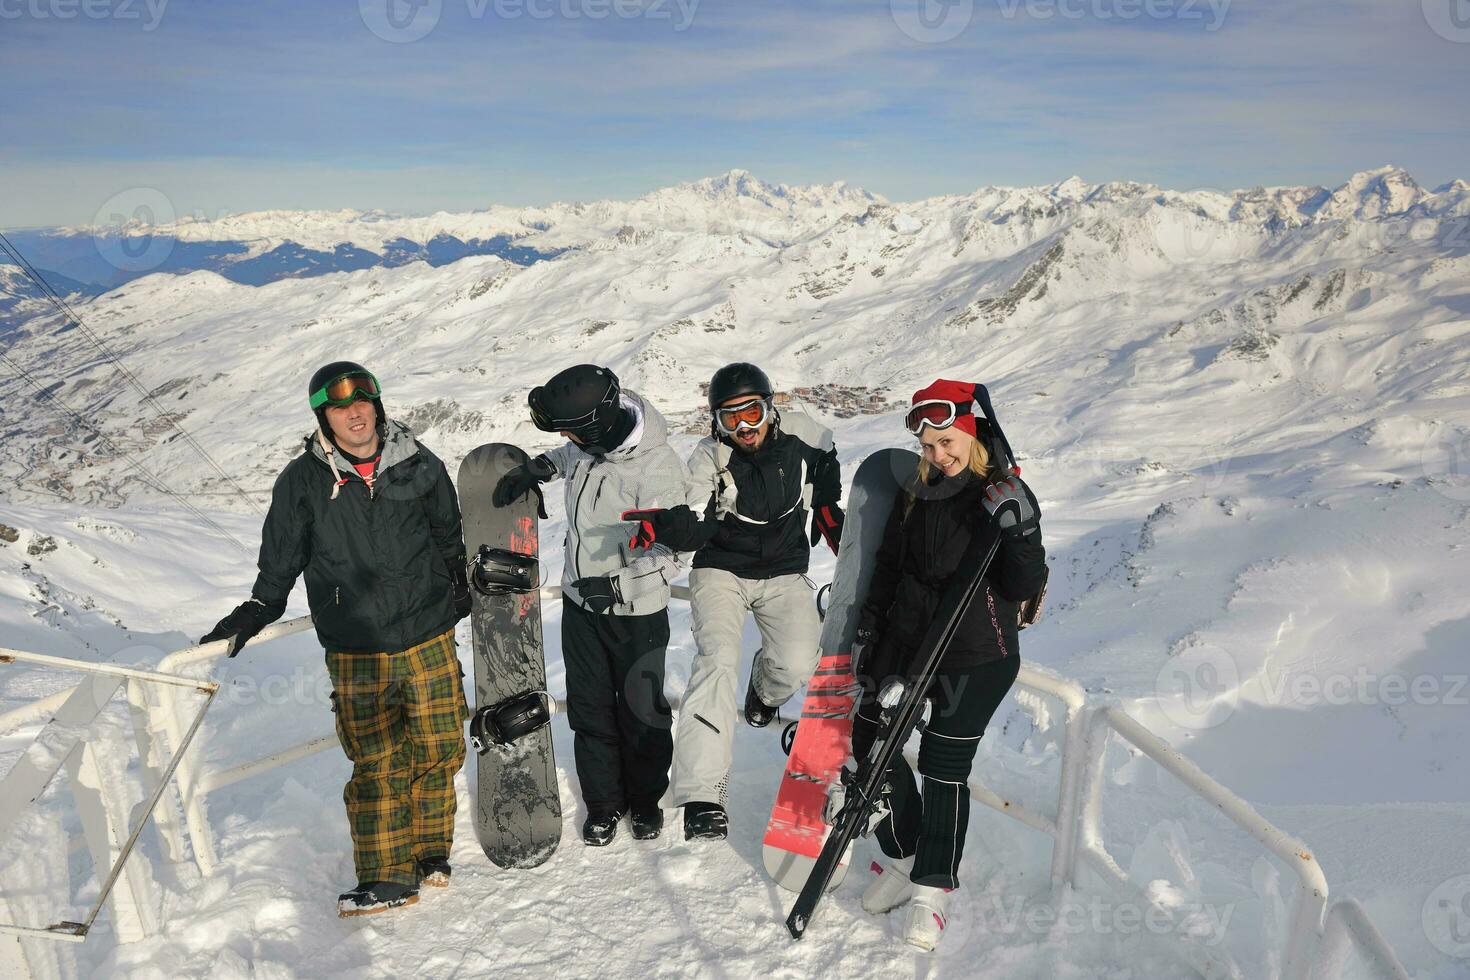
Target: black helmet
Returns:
[582, 400]
[735, 379]
[367, 387]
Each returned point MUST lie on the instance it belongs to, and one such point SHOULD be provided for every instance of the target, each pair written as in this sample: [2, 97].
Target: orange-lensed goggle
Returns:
[746, 415]
[346, 389]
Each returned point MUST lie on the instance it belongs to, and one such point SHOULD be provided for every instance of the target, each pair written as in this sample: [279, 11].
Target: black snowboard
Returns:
[517, 804]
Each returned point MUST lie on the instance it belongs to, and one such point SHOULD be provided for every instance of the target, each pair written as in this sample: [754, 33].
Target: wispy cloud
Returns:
[284, 104]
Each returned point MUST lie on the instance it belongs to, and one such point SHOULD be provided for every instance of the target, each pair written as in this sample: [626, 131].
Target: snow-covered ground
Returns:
[1245, 416]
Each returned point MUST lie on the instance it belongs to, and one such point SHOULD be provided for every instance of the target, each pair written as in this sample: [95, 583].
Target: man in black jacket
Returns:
[765, 473]
[370, 517]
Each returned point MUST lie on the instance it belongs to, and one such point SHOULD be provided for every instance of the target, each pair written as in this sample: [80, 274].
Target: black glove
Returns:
[1008, 503]
[525, 478]
[827, 523]
[599, 593]
[677, 527]
[464, 604]
[247, 619]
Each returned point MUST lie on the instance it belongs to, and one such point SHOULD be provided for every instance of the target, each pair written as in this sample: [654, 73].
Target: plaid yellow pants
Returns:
[400, 719]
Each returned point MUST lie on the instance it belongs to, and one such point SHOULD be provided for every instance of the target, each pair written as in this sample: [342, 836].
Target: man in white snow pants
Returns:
[764, 473]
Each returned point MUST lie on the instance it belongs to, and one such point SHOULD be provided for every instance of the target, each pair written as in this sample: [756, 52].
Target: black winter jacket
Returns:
[920, 556]
[377, 563]
[765, 535]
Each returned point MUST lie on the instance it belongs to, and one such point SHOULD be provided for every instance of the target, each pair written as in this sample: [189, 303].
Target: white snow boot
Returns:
[890, 886]
[927, 917]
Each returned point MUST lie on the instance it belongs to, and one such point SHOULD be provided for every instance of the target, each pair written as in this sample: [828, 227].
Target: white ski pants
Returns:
[786, 616]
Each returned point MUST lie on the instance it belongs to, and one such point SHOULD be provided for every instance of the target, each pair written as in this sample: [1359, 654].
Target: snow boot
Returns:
[601, 827]
[434, 871]
[705, 821]
[927, 918]
[890, 886]
[370, 897]
[758, 714]
[648, 822]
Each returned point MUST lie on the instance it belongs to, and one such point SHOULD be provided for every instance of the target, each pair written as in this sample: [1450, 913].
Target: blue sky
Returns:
[230, 106]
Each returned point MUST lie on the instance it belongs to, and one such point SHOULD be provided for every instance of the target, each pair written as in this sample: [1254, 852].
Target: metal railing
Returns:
[1318, 940]
[109, 828]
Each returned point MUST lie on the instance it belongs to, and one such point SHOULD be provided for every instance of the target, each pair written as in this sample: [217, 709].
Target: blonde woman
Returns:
[960, 484]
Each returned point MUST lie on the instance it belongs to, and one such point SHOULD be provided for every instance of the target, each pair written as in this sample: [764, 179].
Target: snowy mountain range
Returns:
[259, 247]
[1246, 415]
[827, 284]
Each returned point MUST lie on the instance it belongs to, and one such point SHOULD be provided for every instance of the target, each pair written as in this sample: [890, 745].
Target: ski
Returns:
[901, 712]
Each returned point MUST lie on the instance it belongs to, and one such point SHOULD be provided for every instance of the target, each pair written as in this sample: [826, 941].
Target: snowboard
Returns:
[517, 804]
[823, 742]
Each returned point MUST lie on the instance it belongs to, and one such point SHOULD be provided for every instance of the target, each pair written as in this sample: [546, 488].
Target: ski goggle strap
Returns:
[746, 415]
[547, 422]
[938, 413]
[345, 389]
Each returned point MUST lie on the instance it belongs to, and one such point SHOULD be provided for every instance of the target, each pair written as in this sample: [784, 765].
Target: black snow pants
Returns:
[931, 826]
[616, 706]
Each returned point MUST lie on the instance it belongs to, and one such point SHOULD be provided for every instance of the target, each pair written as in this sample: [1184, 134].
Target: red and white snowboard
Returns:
[796, 831]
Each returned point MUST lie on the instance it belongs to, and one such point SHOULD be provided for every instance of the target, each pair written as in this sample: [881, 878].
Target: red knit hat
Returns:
[963, 395]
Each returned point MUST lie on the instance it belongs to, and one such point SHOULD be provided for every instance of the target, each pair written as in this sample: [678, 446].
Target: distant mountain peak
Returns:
[739, 183]
[1074, 188]
[1376, 193]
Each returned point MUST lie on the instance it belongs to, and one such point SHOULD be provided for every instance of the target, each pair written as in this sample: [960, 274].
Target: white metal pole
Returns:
[188, 779]
[99, 808]
[211, 781]
[152, 760]
[44, 757]
[112, 670]
[1083, 832]
[1348, 926]
[210, 651]
[127, 848]
[38, 710]
[1311, 902]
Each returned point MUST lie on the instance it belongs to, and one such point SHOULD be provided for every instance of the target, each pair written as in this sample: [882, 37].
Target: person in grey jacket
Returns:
[615, 591]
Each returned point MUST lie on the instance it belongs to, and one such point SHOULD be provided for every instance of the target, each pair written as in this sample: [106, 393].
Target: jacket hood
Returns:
[649, 432]
[398, 444]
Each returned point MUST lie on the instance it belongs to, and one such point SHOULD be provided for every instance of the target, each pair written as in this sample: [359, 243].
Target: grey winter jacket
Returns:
[643, 472]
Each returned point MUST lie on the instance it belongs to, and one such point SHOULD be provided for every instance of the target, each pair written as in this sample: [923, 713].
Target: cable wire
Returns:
[106, 443]
[9, 249]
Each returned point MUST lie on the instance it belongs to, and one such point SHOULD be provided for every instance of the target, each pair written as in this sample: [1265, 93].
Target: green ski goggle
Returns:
[345, 389]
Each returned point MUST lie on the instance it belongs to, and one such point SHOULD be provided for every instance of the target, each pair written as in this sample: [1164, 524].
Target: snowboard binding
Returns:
[514, 718]
[497, 571]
